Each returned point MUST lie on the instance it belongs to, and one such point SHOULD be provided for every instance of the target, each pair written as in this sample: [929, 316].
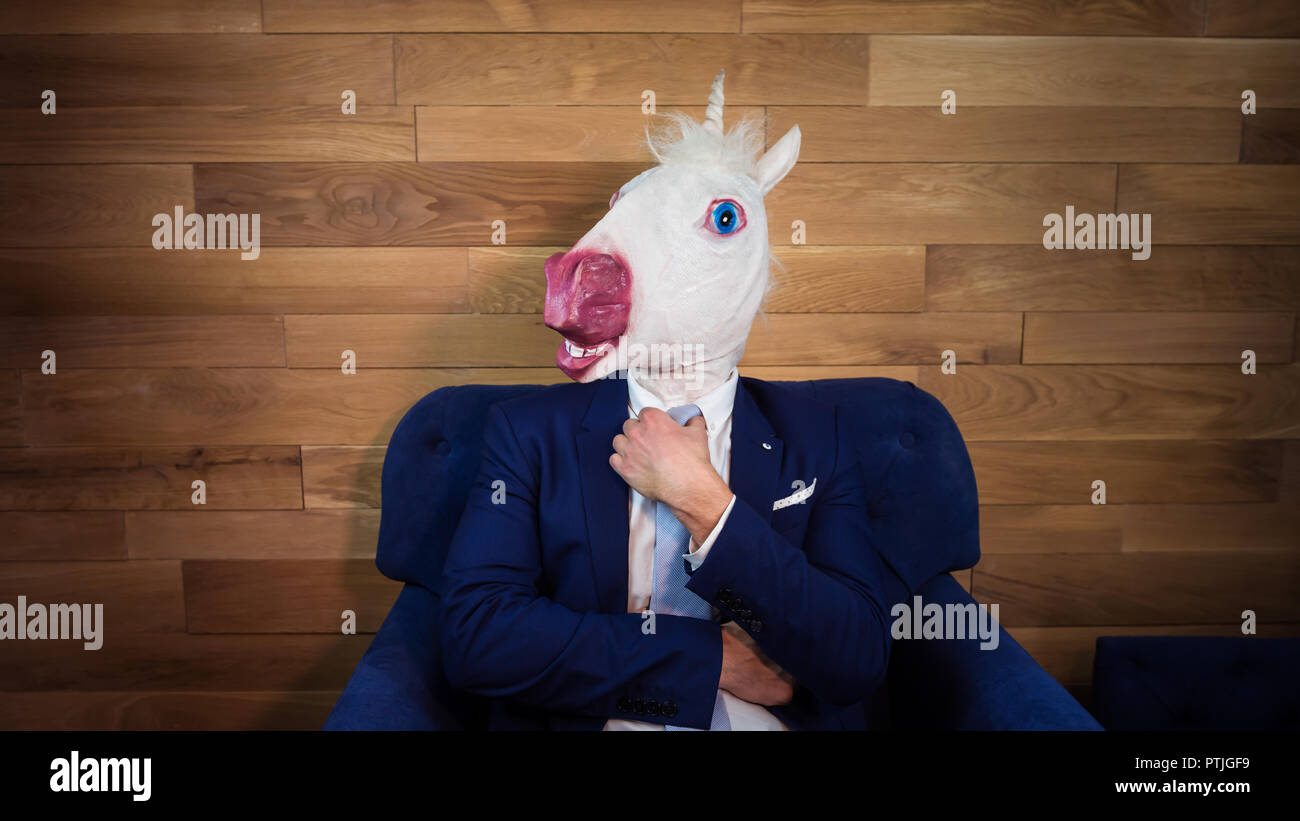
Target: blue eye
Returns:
[726, 217]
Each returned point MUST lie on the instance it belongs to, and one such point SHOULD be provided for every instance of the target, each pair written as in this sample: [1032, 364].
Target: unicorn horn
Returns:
[713, 116]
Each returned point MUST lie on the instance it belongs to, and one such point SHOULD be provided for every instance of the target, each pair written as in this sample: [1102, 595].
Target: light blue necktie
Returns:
[668, 593]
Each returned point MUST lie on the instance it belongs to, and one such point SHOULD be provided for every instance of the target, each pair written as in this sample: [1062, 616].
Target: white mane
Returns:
[680, 140]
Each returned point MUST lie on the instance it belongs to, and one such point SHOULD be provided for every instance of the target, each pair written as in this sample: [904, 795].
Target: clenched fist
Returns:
[667, 462]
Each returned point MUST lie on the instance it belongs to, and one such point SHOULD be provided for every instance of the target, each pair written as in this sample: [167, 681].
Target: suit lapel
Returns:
[605, 494]
[756, 453]
[755, 471]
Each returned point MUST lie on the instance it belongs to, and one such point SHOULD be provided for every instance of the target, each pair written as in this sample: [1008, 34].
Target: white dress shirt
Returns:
[715, 406]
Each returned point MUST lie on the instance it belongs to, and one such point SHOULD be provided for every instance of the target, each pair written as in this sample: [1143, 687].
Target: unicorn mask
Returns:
[667, 284]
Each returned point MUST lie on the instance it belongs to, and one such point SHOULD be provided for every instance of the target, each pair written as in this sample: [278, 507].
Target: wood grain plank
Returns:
[530, 133]
[62, 536]
[485, 15]
[916, 204]
[1174, 278]
[151, 711]
[137, 596]
[68, 205]
[1139, 528]
[1046, 71]
[1230, 527]
[508, 280]
[79, 478]
[1167, 18]
[180, 661]
[882, 339]
[11, 408]
[538, 69]
[111, 281]
[196, 69]
[135, 17]
[239, 406]
[1135, 471]
[1058, 528]
[1009, 134]
[421, 340]
[342, 477]
[261, 133]
[848, 279]
[276, 596]
[555, 203]
[802, 373]
[522, 340]
[1215, 204]
[410, 204]
[1290, 491]
[1271, 136]
[1070, 589]
[142, 341]
[1100, 337]
[1252, 18]
[1089, 402]
[809, 279]
[241, 534]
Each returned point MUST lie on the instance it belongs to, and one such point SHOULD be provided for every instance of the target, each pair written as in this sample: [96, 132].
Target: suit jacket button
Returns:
[724, 594]
[624, 705]
[669, 709]
[651, 707]
[756, 626]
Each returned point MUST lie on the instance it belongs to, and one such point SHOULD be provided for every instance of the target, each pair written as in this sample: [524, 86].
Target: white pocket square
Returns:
[797, 497]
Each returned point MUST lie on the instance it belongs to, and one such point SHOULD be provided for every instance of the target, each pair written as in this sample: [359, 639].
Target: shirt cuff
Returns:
[698, 554]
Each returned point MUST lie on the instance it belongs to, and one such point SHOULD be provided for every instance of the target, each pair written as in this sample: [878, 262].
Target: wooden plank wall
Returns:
[924, 233]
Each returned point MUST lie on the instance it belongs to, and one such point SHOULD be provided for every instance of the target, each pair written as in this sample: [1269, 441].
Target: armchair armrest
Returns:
[399, 683]
[952, 684]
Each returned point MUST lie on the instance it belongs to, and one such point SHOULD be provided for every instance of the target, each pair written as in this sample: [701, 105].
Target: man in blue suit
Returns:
[535, 590]
[667, 545]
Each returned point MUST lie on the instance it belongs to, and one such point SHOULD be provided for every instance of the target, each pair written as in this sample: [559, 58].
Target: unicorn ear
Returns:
[778, 161]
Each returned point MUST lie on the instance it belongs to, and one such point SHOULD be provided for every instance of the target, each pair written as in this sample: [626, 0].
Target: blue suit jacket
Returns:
[534, 589]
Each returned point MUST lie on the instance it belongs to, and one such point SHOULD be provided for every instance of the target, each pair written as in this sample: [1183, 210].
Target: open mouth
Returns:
[578, 352]
[577, 361]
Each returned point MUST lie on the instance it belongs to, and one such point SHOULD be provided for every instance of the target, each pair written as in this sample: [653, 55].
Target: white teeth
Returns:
[581, 353]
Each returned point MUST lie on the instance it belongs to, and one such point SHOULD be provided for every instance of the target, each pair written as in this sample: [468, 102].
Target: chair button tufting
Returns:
[907, 439]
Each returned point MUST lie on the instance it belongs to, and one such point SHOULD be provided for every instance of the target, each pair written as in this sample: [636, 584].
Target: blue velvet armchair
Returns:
[924, 512]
